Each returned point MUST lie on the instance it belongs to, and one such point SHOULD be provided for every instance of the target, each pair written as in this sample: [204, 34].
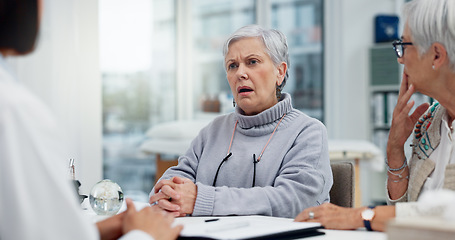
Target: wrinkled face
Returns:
[252, 75]
[417, 68]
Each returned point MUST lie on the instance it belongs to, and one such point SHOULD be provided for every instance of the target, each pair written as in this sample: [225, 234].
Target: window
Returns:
[301, 22]
[162, 61]
[213, 22]
[138, 75]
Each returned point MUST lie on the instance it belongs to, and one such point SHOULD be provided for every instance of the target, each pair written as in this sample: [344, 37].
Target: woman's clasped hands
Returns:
[176, 195]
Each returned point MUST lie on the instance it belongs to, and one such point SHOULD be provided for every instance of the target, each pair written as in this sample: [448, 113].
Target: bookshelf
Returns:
[385, 79]
[384, 86]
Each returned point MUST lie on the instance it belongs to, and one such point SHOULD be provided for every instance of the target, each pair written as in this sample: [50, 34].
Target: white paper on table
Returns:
[239, 227]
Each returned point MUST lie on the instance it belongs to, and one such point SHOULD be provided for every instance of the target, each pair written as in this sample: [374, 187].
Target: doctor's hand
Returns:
[176, 195]
[151, 220]
[111, 228]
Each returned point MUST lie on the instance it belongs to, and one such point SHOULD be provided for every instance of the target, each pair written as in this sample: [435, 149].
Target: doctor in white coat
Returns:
[36, 198]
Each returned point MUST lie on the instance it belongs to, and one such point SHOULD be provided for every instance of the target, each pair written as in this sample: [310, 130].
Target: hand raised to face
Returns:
[402, 122]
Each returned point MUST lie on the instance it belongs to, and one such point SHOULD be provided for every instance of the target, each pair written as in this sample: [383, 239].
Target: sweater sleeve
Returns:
[304, 180]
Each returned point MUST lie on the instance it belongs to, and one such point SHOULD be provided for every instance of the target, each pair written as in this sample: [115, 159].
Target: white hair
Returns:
[275, 43]
[431, 21]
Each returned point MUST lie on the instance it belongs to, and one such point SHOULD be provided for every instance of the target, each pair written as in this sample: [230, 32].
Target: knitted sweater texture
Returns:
[293, 174]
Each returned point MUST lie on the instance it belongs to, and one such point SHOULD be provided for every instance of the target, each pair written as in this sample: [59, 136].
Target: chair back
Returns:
[342, 192]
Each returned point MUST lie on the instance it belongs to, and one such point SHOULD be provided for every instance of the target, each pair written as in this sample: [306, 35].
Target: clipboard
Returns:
[245, 228]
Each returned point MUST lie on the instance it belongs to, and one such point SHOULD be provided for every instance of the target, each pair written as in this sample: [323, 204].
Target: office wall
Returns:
[64, 72]
[348, 36]
[349, 33]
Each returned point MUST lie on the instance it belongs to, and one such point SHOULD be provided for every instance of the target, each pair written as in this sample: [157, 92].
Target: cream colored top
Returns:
[443, 155]
[422, 163]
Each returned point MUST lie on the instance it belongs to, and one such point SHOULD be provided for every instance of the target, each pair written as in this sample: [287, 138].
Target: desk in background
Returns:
[356, 151]
[171, 138]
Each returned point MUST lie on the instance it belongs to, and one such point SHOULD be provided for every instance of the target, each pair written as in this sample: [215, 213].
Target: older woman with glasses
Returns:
[428, 54]
[266, 158]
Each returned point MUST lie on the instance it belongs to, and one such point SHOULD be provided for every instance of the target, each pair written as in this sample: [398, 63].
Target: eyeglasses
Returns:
[398, 47]
[226, 158]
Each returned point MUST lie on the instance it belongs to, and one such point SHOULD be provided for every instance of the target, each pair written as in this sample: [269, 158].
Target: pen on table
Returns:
[211, 220]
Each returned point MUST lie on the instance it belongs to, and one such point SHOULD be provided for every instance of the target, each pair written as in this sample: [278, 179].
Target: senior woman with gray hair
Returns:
[427, 52]
[266, 158]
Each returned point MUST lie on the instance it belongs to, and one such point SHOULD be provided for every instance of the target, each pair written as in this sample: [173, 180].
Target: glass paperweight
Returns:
[106, 198]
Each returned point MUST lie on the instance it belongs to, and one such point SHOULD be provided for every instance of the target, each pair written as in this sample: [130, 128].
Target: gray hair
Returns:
[275, 43]
[432, 21]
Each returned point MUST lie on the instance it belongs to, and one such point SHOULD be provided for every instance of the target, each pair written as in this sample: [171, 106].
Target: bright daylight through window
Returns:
[149, 78]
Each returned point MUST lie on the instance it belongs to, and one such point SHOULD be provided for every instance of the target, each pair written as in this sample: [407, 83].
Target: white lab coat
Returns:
[37, 200]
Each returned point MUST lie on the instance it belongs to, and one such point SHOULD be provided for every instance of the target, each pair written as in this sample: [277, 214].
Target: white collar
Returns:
[445, 122]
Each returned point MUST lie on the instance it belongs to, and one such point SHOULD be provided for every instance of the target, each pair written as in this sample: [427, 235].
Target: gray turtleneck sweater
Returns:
[293, 174]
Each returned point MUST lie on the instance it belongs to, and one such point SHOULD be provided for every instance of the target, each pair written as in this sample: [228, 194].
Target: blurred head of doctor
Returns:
[19, 22]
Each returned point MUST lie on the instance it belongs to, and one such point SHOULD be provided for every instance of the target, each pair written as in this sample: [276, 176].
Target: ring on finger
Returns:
[311, 215]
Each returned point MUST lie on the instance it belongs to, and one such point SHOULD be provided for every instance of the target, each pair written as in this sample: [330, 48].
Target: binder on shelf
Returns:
[385, 77]
[384, 68]
[392, 98]
[379, 110]
[380, 138]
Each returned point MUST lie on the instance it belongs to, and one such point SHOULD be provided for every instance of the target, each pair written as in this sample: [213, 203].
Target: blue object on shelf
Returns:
[386, 28]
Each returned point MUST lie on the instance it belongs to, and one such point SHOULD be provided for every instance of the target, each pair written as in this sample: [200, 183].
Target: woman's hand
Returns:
[151, 220]
[333, 217]
[188, 192]
[164, 194]
[402, 123]
[176, 195]
[401, 128]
